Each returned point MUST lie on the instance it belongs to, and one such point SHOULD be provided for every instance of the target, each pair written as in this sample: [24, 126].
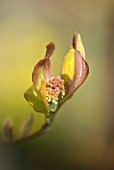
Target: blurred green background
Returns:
[82, 136]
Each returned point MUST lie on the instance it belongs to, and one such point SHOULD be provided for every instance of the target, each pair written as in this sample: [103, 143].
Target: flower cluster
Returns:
[55, 89]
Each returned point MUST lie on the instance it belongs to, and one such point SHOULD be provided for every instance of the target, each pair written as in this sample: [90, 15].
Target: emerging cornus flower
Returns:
[48, 93]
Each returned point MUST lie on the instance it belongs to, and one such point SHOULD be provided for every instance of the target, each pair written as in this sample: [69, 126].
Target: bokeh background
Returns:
[82, 136]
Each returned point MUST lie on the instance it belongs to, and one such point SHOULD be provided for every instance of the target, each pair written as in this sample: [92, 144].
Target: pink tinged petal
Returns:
[75, 69]
[81, 70]
[35, 95]
[44, 64]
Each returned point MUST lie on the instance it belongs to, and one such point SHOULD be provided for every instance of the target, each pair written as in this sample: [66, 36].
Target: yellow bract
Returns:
[68, 66]
[80, 46]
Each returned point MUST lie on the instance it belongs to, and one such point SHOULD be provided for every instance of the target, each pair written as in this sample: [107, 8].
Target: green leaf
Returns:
[34, 98]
